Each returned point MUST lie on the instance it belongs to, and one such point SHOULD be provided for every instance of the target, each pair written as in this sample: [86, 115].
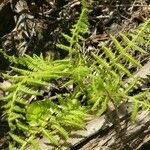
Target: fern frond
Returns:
[137, 103]
[140, 35]
[32, 73]
[101, 61]
[40, 114]
[60, 130]
[22, 126]
[108, 52]
[122, 69]
[35, 144]
[131, 85]
[78, 30]
[123, 52]
[29, 91]
[17, 138]
[103, 107]
[135, 109]
[114, 70]
[132, 44]
[52, 139]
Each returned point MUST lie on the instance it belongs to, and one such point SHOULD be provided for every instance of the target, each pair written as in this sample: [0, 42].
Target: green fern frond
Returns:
[35, 144]
[38, 114]
[135, 109]
[107, 72]
[131, 85]
[132, 44]
[141, 34]
[77, 32]
[138, 102]
[123, 52]
[122, 69]
[60, 130]
[108, 52]
[103, 107]
[52, 139]
[22, 126]
[17, 138]
[101, 61]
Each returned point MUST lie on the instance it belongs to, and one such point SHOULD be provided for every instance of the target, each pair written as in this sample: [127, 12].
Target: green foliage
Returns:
[45, 117]
[108, 82]
[42, 117]
[99, 82]
[78, 30]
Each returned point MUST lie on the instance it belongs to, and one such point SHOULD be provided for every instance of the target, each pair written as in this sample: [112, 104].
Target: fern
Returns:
[78, 30]
[141, 34]
[42, 117]
[108, 82]
[98, 83]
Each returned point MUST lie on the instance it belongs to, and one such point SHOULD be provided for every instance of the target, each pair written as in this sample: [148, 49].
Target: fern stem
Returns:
[12, 104]
[76, 32]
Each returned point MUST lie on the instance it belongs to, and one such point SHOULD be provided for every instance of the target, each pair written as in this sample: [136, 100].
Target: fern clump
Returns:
[44, 116]
[100, 84]
[27, 111]
[108, 84]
